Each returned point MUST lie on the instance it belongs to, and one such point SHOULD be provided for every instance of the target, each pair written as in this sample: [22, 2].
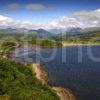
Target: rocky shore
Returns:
[42, 75]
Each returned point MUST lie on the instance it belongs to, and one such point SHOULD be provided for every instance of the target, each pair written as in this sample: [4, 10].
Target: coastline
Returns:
[7, 52]
[69, 44]
[42, 75]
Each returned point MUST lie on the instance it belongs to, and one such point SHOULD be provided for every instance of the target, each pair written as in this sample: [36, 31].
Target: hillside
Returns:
[40, 33]
[86, 37]
[18, 82]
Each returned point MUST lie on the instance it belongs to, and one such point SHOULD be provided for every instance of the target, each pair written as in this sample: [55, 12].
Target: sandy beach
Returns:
[65, 44]
[42, 75]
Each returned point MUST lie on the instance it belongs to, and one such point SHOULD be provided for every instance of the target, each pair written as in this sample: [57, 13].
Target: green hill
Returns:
[86, 37]
[18, 82]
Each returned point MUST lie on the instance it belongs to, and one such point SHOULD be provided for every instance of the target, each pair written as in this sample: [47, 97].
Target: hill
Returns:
[86, 37]
[18, 82]
[40, 33]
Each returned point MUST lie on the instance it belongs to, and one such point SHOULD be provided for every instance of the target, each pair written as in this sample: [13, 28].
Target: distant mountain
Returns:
[92, 29]
[93, 36]
[11, 30]
[40, 33]
[76, 30]
[56, 31]
[7, 31]
[69, 30]
[81, 31]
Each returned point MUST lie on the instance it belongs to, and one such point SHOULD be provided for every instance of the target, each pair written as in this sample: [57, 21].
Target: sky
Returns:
[49, 13]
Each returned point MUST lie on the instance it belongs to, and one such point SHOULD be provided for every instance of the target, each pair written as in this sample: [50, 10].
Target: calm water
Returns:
[83, 78]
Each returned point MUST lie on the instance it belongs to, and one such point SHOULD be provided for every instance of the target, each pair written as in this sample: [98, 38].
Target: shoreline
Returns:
[8, 51]
[69, 44]
[42, 75]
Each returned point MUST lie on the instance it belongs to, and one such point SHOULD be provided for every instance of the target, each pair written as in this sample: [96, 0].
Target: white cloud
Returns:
[6, 22]
[98, 10]
[63, 23]
[89, 18]
[82, 19]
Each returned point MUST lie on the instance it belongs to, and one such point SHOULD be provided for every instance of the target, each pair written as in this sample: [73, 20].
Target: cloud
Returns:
[63, 23]
[98, 10]
[34, 6]
[14, 5]
[82, 19]
[6, 22]
[89, 18]
[94, 13]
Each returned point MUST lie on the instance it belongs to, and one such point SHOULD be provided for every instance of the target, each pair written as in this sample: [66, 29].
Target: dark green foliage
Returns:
[47, 43]
[5, 47]
[7, 44]
[19, 83]
[32, 40]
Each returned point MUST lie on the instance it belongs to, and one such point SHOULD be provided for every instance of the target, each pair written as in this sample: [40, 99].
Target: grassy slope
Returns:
[17, 82]
[87, 37]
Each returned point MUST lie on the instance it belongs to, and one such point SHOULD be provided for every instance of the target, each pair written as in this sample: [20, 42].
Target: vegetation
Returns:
[18, 82]
[32, 38]
[46, 43]
[5, 47]
[93, 37]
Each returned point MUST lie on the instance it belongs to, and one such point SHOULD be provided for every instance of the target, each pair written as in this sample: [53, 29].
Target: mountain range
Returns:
[50, 32]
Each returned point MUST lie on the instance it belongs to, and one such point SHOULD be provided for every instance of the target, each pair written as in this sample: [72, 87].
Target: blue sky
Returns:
[49, 9]
[49, 14]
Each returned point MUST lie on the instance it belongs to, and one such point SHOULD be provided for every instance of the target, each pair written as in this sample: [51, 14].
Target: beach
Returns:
[65, 44]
